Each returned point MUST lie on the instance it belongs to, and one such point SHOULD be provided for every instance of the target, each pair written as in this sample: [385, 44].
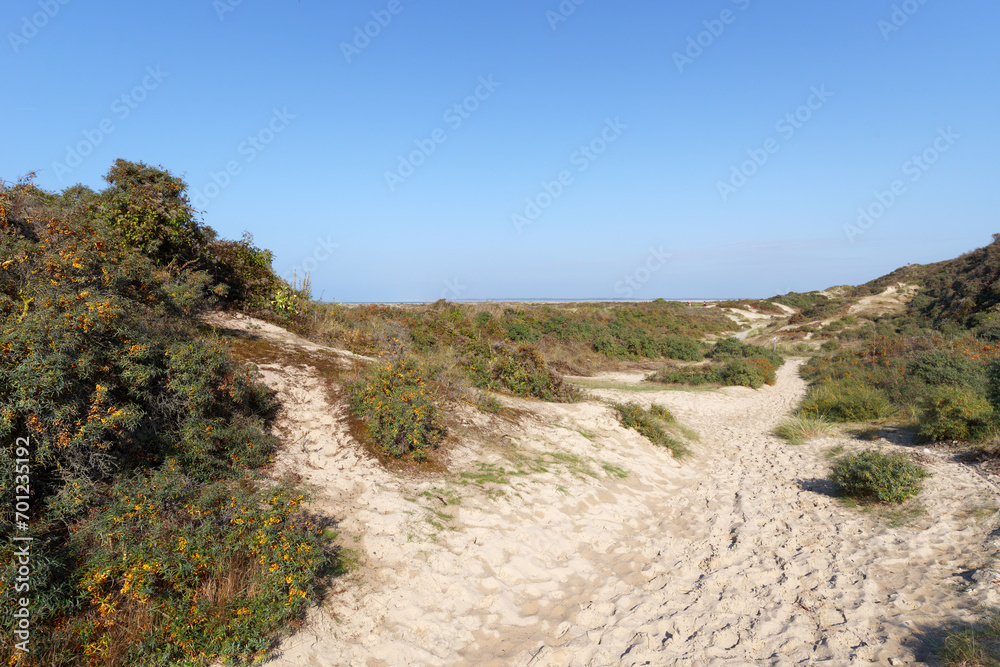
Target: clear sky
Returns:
[597, 150]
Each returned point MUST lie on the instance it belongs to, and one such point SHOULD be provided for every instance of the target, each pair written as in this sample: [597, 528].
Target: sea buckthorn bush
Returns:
[753, 373]
[735, 364]
[393, 399]
[956, 414]
[246, 271]
[845, 401]
[521, 371]
[149, 208]
[877, 477]
[948, 381]
[155, 542]
[211, 568]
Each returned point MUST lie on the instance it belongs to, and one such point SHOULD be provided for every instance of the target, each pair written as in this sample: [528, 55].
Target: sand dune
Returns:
[737, 555]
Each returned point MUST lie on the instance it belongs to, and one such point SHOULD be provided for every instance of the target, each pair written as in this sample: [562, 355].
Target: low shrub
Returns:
[688, 375]
[737, 364]
[164, 580]
[733, 348]
[993, 384]
[876, 477]
[682, 348]
[751, 373]
[956, 414]
[653, 423]
[393, 400]
[521, 371]
[939, 369]
[845, 401]
[488, 403]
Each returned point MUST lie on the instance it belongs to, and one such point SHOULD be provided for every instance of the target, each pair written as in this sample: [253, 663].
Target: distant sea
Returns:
[400, 303]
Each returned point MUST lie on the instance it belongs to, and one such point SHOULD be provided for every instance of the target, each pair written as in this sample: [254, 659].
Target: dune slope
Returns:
[564, 539]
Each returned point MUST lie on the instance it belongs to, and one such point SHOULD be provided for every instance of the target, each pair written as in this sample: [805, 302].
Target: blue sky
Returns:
[598, 150]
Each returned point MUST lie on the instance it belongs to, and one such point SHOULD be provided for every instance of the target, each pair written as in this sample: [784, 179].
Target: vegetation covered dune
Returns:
[223, 469]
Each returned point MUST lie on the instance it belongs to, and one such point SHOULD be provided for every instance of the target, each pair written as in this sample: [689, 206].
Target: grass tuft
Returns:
[799, 430]
[655, 423]
[975, 645]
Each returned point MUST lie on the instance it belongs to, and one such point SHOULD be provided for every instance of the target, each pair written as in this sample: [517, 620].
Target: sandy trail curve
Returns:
[607, 551]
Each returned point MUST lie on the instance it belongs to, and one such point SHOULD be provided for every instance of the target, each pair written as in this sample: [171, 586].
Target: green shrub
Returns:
[732, 348]
[393, 400]
[246, 270]
[751, 373]
[737, 364]
[956, 414]
[874, 476]
[150, 208]
[653, 423]
[489, 403]
[141, 433]
[688, 375]
[993, 384]
[210, 570]
[521, 371]
[949, 370]
[845, 401]
[683, 348]
[520, 332]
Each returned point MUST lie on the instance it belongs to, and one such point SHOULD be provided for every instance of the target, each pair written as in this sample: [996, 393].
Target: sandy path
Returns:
[736, 556]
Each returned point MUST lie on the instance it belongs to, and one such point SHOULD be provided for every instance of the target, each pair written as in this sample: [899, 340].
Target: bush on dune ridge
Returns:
[735, 364]
[145, 440]
[947, 382]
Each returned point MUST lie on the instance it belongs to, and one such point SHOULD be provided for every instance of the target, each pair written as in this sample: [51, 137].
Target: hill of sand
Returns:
[560, 538]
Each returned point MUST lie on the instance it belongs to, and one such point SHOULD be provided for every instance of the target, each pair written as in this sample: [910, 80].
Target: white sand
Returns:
[735, 556]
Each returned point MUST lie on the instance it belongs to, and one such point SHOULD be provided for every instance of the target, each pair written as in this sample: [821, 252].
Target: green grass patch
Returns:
[654, 423]
[974, 645]
[615, 471]
[490, 473]
[799, 429]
